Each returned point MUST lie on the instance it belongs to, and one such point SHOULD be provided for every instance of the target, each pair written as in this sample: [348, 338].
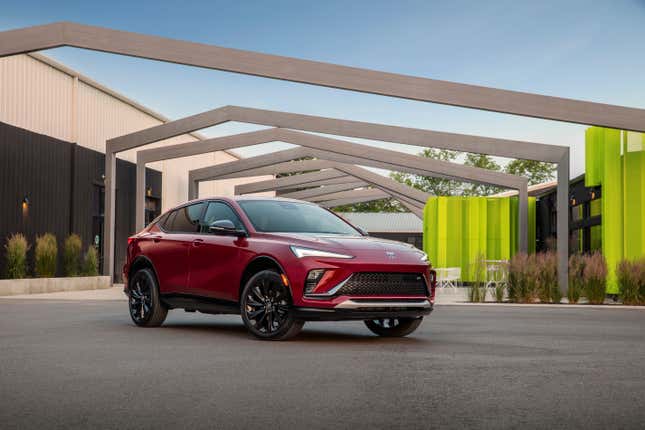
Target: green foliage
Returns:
[382, 205]
[536, 171]
[631, 279]
[576, 277]
[434, 186]
[595, 278]
[546, 270]
[91, 262]
[46, 254]
[72, 249]
[483, 162]
[477, 291]
[16, 254]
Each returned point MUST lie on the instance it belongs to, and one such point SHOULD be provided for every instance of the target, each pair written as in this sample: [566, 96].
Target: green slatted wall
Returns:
[457, 229]
[616, 160]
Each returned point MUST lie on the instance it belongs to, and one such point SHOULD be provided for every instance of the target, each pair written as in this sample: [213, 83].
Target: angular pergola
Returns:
[411, 198]
[334, 76]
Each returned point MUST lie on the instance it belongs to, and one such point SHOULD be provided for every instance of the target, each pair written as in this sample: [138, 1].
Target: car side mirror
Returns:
[225, 227]
[362, 231]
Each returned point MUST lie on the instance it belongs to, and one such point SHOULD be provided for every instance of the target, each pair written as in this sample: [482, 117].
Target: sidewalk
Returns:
[114, 293]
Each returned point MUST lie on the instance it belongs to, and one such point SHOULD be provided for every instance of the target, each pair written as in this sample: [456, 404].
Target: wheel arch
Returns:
[257, 264]
[142, 262]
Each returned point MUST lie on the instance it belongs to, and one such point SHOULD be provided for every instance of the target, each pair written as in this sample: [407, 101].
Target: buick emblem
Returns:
[390, 254]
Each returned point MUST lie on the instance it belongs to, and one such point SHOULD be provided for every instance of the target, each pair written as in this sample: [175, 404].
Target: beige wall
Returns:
[46, 97]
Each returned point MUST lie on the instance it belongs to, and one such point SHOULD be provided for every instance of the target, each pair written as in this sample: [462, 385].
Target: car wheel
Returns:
[393, 327]
[266, 306]
[146, 309]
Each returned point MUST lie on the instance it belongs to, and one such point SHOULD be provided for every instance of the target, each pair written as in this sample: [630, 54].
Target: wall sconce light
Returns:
[149, 191]
[25, 206]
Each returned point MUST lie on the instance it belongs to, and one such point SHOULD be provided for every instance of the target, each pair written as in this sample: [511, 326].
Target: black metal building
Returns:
[52, 186]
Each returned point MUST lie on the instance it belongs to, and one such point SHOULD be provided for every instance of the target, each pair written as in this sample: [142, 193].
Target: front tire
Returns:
[393, 327]
[266, 307]
[146, 309]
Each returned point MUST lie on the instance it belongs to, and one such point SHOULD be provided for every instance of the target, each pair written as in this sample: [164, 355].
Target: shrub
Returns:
[72, 249]
[595, 278]
[477, 291]
[631, 276]
[46, 254]
[521, 278]
[16, 253]
[91, 262]
[546, 276]
[576, 276]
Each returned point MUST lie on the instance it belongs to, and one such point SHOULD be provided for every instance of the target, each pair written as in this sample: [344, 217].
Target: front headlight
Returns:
[423, 256]
[308, 252]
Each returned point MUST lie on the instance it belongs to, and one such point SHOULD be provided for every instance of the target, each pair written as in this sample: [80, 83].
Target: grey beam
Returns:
[413, 199]
[311, 193]
[319, 73]
[367, 192]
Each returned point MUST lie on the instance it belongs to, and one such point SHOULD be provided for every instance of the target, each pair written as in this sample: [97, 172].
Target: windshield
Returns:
[276, 216]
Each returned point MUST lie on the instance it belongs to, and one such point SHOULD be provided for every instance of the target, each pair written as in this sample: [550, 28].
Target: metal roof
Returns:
[385, 222]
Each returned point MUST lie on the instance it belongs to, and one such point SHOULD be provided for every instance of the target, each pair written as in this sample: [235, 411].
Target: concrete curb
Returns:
[13, 287]
[543, 305]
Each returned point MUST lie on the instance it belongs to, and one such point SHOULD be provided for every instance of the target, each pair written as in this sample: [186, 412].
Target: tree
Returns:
[450, 187]
[536, 171]
[382, 205]
[482, 161]
[435, 186]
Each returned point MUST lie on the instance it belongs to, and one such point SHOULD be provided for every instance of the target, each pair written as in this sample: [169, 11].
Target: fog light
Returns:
[313, 278]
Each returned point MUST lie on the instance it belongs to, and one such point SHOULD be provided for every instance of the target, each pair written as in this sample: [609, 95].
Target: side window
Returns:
[218, 211]
[186, 219]
[167, 224]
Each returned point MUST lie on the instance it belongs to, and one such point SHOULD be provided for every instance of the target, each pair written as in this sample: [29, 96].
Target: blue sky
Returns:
[589, 50]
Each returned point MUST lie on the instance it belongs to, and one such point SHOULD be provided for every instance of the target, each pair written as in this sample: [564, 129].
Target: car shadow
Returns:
[307, 335]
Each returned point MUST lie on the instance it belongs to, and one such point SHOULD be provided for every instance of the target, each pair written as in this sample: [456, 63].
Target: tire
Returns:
[393, 327]
[265, 306]
[146, 309]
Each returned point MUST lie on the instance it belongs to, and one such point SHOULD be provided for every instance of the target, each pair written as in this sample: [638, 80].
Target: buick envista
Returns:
[277, 263]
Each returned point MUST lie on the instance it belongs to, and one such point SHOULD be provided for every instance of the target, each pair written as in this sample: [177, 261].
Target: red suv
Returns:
[278, 263]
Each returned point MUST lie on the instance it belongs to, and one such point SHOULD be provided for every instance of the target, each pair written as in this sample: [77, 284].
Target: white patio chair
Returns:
[448, 277]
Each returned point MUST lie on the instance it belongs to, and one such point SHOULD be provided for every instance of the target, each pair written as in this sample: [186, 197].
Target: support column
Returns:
[140, 210]
[563, 222]
[523, 222]
[110, 213]
[193, 189]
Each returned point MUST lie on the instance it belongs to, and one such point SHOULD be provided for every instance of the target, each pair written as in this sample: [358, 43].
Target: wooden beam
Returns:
[319, 73]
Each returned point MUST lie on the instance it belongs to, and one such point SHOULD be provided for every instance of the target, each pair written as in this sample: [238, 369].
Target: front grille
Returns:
[384, 284]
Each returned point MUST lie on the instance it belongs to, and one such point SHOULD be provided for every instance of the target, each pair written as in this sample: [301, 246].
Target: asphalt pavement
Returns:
[83, 364]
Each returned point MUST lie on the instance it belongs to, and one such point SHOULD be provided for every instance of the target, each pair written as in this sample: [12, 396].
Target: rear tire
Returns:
[266, 307]
[393, 327]
[146, 309]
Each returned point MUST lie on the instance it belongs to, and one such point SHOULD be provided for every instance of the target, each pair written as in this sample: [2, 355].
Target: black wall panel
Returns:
[63, 183]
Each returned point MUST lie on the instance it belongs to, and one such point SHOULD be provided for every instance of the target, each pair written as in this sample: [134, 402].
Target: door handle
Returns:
[198, 242]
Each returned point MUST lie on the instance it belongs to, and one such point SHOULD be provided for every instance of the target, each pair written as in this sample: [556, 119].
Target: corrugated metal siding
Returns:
[39, 97]
[35, 96]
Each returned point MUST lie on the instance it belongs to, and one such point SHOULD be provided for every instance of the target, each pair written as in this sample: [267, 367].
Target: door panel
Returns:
[169, 249]
[215, 260]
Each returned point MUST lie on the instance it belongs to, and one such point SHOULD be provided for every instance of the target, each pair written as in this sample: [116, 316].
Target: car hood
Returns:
[359, 246]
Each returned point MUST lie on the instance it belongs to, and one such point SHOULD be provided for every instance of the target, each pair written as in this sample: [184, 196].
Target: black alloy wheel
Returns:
[266, 307]
[393, 327]
[146, 309]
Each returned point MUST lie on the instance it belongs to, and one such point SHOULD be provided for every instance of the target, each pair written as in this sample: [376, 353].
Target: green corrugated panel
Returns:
[612, 201]
[458, 229]
[593, 156]
[532, 225]
[634, 194]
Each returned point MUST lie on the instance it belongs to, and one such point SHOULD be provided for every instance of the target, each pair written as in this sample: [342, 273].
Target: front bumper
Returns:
[366, 309]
